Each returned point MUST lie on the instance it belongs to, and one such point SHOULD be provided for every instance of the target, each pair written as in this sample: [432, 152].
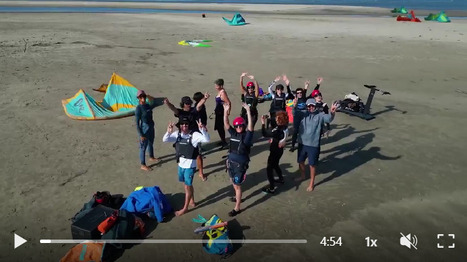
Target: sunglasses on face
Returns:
[238, 126]
[250, 87]
[299, 93]
[310, 105]
[184, 124]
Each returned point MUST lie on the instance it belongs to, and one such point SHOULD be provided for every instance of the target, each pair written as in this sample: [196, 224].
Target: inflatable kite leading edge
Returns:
[119, 101]
[237, 19]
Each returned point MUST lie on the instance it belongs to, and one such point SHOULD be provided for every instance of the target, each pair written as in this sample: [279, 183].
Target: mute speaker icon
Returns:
[409, 241]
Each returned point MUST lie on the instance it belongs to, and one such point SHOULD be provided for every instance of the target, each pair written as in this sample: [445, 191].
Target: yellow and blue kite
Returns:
[119, 101]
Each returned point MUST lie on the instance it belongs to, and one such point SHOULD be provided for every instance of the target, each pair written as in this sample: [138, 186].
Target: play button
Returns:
[19, 241]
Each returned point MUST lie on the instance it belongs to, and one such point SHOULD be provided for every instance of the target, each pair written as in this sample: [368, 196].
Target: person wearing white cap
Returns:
[146, 131]
[309, 138]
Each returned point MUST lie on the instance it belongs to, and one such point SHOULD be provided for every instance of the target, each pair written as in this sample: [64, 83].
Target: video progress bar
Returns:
[173, 241]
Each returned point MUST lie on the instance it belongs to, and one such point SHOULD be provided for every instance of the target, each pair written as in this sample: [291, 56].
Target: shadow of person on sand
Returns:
[355, 156]
[343, 133]
[236, 233]
[164, 159]
[388, 109]
[289, 184]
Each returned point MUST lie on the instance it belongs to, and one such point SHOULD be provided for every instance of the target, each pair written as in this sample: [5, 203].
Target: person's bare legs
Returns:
[312, 178]
[192, 201]
[188, 198]
[301, 166]
[199, 163]
[238, 196]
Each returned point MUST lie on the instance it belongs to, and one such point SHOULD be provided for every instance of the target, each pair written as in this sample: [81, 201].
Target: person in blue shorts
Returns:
[186, 143]
[309, 138]
[241, 140]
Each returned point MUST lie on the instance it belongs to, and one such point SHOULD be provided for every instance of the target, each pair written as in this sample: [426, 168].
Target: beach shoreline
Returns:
[284, 9]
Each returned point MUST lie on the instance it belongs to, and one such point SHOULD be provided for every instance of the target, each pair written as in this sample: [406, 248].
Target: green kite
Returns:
[236, 20]
[401, 10]
[441, 17]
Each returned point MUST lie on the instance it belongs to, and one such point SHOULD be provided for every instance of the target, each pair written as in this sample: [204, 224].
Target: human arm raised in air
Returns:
[170, 135]
[289, 94]
[329, 117]
[305, 88]
[248, 113]
[202, 136]
[242, 87]
[171, 106]
[273, 94]
[226, 116]
[252, 77]
[319, 80]
[201, 102]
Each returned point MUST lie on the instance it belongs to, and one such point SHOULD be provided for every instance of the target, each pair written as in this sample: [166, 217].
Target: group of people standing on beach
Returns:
[311, 116]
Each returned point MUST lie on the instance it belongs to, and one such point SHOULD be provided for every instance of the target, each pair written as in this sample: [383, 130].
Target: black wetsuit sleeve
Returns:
[289, 93]
[316, 87]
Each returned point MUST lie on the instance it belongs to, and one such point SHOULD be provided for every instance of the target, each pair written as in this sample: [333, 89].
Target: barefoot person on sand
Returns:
[241, 140]
[186, 143]
[146, 131]
[221, 99]
[309, 139]
[186, 111]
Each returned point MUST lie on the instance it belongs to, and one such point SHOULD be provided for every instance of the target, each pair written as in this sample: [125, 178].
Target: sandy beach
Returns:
[402, 172]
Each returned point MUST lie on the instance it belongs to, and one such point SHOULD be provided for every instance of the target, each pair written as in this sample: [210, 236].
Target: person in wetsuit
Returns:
[250, 97]
[145, 128]
[241, 140]
[277, 141]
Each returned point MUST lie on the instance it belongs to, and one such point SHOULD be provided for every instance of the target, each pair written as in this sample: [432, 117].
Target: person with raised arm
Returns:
[250, 96]
[187, 111]
[241, 140]
[186, 143]
[300, 109]
[277, 142]
[309, 139]
[278, 98]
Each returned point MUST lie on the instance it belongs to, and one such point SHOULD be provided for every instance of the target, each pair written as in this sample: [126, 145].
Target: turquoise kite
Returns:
[119, 101]
[401, 10]
[441, 17]
[236, 20]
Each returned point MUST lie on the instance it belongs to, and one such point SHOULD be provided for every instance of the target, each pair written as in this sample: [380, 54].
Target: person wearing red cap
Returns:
[145, 128]
[241, 140]
[250, 96]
